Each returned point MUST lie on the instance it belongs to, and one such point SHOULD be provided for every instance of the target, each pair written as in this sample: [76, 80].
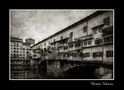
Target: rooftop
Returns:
[16, 39]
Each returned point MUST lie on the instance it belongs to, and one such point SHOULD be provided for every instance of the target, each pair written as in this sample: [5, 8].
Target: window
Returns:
[97, 54]
[89, 42]
[44, 44]
[108, 39]
[109, 53]
[61, 37]
[70, 45]
[75, 55]
[68, 54]
[86, 54]
[77, 44]
[71, 36]
[71, 54]
[85, 42]
[85, 29]
[98, 41]
[106, 21]
[100, 29]
[66, 47]
[64, 55]
[54, 40]
[95, 31]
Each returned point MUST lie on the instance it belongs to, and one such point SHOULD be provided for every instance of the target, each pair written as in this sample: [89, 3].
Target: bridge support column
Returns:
[104, 72]
[54, 69]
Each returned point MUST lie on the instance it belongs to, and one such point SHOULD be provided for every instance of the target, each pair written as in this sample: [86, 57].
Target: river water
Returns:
[27, 73]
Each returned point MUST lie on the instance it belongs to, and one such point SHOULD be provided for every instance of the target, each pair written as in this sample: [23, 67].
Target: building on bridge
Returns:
[90, 39]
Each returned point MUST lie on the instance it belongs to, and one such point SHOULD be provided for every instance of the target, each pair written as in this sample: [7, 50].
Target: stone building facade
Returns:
[90, 39]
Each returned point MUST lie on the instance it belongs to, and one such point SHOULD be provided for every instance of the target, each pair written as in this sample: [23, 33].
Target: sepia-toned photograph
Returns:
[61, 44]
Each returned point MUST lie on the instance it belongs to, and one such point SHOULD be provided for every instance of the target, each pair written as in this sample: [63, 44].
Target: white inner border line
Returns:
[62, 10]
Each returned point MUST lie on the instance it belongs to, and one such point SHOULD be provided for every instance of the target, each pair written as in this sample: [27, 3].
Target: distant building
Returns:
[30, 41]
[19, 56]
[16, 48]
[19, 48]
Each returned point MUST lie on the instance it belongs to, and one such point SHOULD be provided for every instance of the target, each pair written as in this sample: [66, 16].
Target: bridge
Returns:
[75, 69]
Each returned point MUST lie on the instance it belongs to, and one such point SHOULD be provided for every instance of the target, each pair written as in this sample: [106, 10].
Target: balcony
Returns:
[87, 37]
[107, 30]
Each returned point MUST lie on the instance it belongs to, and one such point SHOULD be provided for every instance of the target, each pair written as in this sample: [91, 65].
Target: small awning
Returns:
[98, 26]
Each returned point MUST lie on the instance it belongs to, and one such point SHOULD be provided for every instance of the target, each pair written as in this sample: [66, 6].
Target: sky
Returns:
[40, 24]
